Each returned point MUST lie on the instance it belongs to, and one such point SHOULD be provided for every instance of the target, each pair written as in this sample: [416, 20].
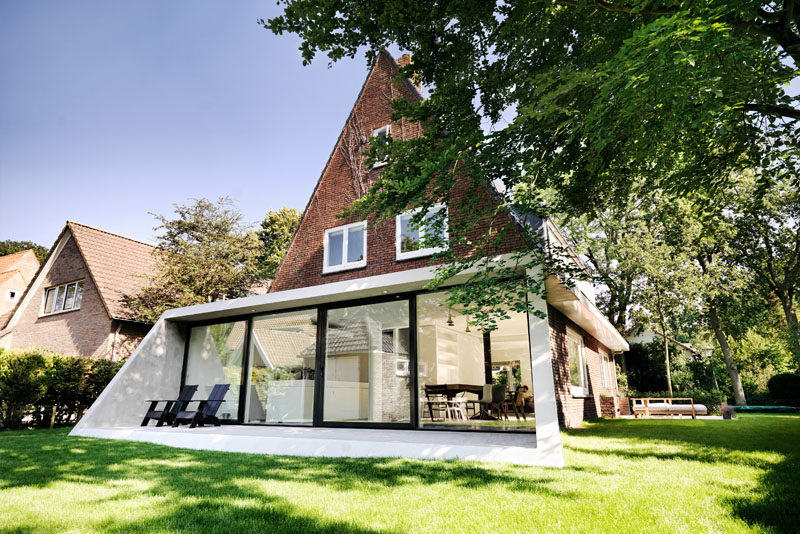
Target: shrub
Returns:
[22, 384]
[34, 383]
[66, 384]
[785, 388]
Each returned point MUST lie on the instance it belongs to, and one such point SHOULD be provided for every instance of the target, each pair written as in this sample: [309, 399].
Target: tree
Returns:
[204, 254]
[768, 243]
[277, 230]
[10, 247]
[586, 97]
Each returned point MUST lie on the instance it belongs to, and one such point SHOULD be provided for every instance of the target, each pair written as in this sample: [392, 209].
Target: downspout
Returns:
[114, 343]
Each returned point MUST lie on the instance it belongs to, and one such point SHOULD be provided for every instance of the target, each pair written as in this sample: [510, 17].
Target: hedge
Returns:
[784, 388]
[39, 387]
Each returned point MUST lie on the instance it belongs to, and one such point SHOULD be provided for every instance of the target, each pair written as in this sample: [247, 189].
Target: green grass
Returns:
[621, 476]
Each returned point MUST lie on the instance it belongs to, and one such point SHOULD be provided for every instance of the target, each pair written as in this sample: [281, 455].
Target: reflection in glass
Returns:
[282, 361]
[409, 234]
[335, 246]
[355, 244]
[366, 364]
[215, 357]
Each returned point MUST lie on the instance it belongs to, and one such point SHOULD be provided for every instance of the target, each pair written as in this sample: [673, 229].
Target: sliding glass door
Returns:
[281, 367]
[367, 364]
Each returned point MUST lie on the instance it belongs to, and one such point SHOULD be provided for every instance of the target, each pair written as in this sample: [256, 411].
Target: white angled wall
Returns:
[153, 371]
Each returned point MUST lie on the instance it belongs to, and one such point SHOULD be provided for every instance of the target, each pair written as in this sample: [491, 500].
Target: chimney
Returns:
[405, 60]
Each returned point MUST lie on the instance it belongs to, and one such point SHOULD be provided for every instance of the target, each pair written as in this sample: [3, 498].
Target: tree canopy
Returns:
[594, 99]
[276, 232]
[10, 247]
[585, 96]
[204, 253]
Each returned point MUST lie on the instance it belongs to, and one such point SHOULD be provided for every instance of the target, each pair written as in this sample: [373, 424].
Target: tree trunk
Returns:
[733, 371]
[666, 358]
[791, 321]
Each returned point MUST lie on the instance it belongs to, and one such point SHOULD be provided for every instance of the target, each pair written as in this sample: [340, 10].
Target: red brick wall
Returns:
[85, 332]
[302, 266]
[572, 410]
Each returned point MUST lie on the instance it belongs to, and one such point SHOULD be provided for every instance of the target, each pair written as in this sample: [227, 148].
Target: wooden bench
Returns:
[667, 406]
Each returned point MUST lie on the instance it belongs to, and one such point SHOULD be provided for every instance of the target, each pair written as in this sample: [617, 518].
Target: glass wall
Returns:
[468, 378]
[367, 376]
[282, 360]
[215, 357]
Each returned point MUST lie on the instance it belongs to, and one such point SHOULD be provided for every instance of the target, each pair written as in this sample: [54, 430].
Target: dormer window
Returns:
[382, 132]
[411, 240]
[345, 247]
[63, 298]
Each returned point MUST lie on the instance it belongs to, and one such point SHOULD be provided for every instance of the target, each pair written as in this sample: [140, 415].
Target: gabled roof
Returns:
[417, 94]
[118, 266]
[10, 262]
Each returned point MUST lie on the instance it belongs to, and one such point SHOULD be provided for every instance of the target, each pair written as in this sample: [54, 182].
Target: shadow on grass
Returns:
[775, 503]
[203, 490]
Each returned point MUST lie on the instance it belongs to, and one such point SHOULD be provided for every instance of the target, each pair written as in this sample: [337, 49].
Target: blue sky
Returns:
[111, 110]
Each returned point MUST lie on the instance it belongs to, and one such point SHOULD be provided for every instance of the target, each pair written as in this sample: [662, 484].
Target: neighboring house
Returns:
[76, 303]
[348, 336]
[16, 272]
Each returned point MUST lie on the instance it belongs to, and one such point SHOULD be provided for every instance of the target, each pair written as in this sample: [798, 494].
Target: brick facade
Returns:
[574, 409]
[302, 265]
[85, 332]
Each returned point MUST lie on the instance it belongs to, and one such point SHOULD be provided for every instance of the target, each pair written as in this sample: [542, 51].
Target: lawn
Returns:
[623, 475]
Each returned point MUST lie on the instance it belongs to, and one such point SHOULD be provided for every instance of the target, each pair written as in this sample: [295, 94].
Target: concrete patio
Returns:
[337, 442]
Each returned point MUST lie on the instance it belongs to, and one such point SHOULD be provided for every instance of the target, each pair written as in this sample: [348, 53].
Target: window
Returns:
[577, 364]
[383, 132]
[411, 239]
[63, 298]
[345, 247]
[12, 295]
[607, 370]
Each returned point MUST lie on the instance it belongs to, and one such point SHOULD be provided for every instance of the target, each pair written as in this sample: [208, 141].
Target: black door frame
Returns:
[319, 373]
[319, 383]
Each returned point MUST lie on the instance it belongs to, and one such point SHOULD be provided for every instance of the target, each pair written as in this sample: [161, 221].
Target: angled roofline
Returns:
[35, 277]
[88, 268]
[52, 254]
[389, 56]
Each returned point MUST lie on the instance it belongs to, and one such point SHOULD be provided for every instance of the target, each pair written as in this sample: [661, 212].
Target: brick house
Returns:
[75, 304]
[349, 337]
[16, 272]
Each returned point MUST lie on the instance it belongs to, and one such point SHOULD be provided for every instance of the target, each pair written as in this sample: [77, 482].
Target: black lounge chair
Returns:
[207, 410]
[171, 408]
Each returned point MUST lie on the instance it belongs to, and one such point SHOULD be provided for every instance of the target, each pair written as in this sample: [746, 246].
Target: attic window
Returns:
[382, 132]
[63, 298]
[411, 239]
[345, 247]
[12, 295]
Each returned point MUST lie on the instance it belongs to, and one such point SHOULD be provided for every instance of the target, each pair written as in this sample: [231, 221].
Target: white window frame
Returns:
[10, 297]
[66, 288]
[605, 372]
[420, 252]
[578, 391]
[388, 129]
[344, 266]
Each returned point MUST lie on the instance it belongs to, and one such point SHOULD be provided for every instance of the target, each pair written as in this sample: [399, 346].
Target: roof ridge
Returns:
[18, 252]
[70, 223]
